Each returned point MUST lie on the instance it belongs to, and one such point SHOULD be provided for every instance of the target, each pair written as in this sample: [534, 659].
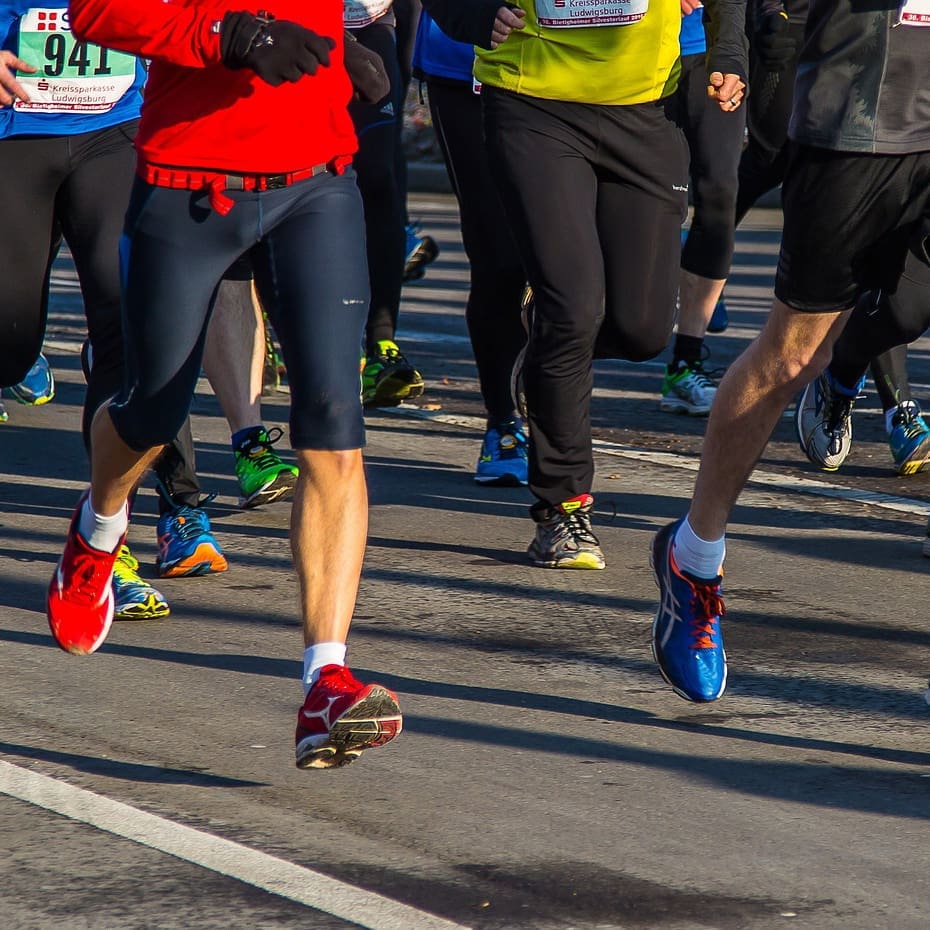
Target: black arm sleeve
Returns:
[470, 21]
[727, 45]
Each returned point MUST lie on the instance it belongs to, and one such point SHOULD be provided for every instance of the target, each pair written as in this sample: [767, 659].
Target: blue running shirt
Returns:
[78, 86]
[692, 38]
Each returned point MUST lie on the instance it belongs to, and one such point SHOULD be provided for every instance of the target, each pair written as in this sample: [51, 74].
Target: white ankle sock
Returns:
[99, 532]
[318, 655]
[699, 557]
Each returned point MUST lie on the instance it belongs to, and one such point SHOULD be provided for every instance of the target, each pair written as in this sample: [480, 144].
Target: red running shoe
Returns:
[80, 594]
[341, 717]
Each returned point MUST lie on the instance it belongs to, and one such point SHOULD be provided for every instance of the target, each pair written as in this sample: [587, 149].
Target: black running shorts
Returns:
[848, 220]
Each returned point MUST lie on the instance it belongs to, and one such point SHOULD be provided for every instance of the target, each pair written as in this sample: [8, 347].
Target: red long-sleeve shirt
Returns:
[197, 113]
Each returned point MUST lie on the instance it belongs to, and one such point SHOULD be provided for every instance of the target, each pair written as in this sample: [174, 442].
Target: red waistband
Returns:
[191, 179]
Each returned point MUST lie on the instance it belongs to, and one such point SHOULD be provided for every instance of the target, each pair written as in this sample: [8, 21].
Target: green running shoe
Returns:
[388, 378]
[4, 416]
[263, 475]
[133, 599]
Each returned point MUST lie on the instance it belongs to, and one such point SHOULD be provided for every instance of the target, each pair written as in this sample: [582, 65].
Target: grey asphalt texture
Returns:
[546, 778]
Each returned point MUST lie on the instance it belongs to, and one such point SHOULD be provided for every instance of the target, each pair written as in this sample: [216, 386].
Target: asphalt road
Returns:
[547, 778]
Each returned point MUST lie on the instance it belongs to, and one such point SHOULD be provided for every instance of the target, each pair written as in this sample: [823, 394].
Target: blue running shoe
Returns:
[686, 638]
[720, 319]
[38, 387]
[185, 544]
[909, 439]
[503, 457]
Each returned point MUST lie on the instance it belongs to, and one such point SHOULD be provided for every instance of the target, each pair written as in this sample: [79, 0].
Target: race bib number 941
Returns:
[71, 76]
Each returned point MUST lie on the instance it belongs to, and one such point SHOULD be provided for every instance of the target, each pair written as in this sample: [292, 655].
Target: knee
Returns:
[330, 468]
[790, 361]
[643, 346]
[803, 367]
[636, 337]
[330, 430]
[715, 197]
[143, 426]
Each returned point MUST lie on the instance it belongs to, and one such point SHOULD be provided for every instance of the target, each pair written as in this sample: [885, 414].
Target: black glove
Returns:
[366, 71]
[276, 50]
[775, 45]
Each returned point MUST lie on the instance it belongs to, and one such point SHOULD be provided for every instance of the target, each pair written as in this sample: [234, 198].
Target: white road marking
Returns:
[277, 876]
[787, 483]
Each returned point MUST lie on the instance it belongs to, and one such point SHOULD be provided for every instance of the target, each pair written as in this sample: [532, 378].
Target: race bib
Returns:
[914, 13]
[358, 13]
[571, 14]
[72, 76]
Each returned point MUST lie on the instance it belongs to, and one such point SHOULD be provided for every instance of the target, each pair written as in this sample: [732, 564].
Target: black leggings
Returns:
[68, 186]
[715, 140]
[768, 111]
[64, 186]
[595, 197]
[380, 177]
[497, 277]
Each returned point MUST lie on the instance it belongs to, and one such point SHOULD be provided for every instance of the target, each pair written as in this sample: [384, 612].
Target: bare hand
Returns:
[10, 88]
[727, 89]
[506, 21]
[689, 6]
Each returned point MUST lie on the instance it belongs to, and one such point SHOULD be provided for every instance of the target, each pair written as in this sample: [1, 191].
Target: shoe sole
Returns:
[32, 400]
[204, 561]
[143, 611]
[682, 407]
[655, 655]
[390, 393]
[281, 489]
[585, 561]
[502, 481]
[372, 722]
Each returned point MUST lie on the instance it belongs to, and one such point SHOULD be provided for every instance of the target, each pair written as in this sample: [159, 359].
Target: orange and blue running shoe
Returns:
[186, 546]
[341, 718]
[686, 638]
[80, 594]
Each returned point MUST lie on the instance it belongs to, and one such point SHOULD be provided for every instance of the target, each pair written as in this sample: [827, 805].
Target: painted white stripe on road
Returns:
[277, 876]
[787, 483]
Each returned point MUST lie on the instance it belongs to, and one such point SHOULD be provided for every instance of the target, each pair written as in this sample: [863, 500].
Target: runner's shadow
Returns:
[127, 771]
